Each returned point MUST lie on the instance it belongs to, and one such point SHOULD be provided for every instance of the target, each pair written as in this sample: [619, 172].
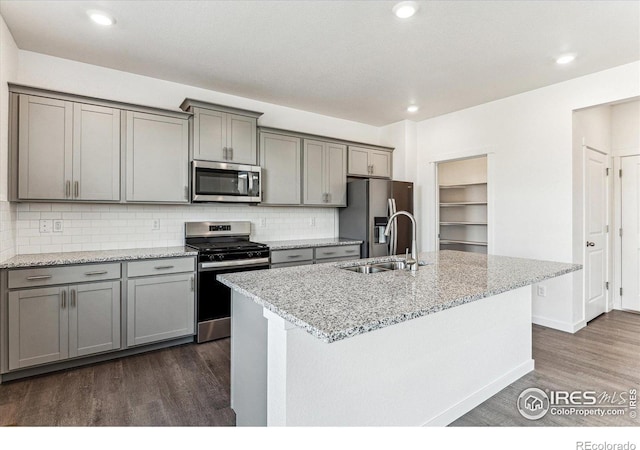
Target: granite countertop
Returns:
[62, 258]
[333, 304]
[304, 243]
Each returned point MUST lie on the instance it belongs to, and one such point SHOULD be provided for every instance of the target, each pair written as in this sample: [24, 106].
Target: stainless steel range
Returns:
[222, 247]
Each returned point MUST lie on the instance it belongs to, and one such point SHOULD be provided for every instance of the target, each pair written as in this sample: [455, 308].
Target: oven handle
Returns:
[237, 263]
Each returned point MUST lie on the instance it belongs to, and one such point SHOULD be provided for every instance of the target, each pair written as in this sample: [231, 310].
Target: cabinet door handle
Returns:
[39, 277]
[63, 294]
[193, 283]
[186, 192]
[163, 267]
[231, 150]
[96, 272]
[224, 153]
[76, 189]
[73, 298]
[67, 189]
[328, 197]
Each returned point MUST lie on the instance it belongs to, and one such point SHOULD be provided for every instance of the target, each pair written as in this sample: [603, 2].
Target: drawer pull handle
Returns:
[350, 251]
[97, 272]
[39, 277]
[163, 267]
[328, 253]
[64, 298]
[293, 256]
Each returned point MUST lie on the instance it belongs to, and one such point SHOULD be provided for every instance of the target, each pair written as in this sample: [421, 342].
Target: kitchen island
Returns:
[321, 345]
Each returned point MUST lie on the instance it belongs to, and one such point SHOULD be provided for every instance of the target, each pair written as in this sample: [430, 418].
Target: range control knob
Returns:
[250, 254]
[220, 256]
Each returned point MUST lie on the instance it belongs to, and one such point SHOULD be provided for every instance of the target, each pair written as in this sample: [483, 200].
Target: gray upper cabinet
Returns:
[44, 148]
[369, 162]
[67, 150]
[325, 173]
[96, 152]
[157, 158]
[222, 133]
[280, 157]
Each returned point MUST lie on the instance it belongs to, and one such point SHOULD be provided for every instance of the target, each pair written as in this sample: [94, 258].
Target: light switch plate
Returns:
[57, 226]
[155, 225]
[542, 291]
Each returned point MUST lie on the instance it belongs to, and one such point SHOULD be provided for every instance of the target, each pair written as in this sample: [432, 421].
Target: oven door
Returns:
[223, 182]
[214, 300]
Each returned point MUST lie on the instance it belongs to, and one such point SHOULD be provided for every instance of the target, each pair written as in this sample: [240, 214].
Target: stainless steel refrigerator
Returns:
[370, 203]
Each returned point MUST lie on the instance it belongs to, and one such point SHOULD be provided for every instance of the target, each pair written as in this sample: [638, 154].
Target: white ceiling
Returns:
[348, 59]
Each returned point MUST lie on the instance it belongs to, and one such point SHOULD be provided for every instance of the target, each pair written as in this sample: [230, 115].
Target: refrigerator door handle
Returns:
[393, 241]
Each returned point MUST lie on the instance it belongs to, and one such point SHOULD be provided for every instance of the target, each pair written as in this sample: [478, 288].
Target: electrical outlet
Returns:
[57, 226]
[45, 226]
[312, 222]
[263, 222]
[542, 291]
[155, 225]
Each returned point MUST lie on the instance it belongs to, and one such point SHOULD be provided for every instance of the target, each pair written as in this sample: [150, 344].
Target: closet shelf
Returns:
[460, 186]
[462, 203]
[463, 223]
[452, 241]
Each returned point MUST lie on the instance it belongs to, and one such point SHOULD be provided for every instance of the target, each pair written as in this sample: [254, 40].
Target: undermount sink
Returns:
[377, 267]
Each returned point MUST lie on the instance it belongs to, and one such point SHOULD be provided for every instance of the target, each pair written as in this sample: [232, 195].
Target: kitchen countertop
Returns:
[63, 258]
[334, 304]
[305, 243]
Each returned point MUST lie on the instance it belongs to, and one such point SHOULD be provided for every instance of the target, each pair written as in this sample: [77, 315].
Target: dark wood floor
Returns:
[180, 386]
[189, 385]
[603, 356]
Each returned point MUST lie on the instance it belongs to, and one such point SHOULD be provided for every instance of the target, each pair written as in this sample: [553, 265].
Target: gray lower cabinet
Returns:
[55, 323]
[310, 255]
[157, 158]
[280, 157]
[160, 307]
[369, 162]
[325, 173]
[67, 150]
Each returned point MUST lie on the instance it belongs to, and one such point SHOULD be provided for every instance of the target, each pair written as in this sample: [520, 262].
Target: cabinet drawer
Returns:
[160, 266]
[293, 255]
[48, 276]
[292, 264]
[341, 251]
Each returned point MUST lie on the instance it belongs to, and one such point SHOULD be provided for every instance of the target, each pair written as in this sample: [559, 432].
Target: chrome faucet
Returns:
[413, 262]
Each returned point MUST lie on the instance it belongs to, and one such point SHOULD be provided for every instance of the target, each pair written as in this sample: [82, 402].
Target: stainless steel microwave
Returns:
[224, 182]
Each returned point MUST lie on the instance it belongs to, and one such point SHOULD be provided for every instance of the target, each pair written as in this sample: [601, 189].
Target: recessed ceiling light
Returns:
[412, 108]
[101, 18]
[565, 59]
[404, 10]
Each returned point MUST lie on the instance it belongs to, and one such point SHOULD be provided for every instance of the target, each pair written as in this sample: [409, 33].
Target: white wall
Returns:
[91, 227]
[625, 128]
[530, 137]
[8, 72]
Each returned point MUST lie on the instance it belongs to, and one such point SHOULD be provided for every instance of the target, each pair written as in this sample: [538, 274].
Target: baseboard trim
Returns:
[559, 325]
[476, 398]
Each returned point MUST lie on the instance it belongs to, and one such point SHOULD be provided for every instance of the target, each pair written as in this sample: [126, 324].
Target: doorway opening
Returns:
[463, 205]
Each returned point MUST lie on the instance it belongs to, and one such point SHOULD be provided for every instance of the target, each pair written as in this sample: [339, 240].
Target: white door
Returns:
[595, 266]
[630, 207]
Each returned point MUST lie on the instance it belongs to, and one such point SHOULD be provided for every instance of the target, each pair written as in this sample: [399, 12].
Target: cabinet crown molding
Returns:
[188, 104]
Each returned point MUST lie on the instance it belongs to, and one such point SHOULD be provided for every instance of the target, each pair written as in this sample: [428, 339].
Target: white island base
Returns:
[425, 371]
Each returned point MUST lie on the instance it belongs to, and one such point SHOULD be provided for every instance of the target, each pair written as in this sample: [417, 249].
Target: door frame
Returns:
[616, 225]
[609, 266]
[433, 242]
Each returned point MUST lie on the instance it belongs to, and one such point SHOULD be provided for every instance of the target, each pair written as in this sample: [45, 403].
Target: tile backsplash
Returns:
[7, 229]
[104, 227]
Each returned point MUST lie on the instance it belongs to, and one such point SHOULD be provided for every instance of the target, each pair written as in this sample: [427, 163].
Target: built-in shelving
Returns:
[452, 241]
[463, 205]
